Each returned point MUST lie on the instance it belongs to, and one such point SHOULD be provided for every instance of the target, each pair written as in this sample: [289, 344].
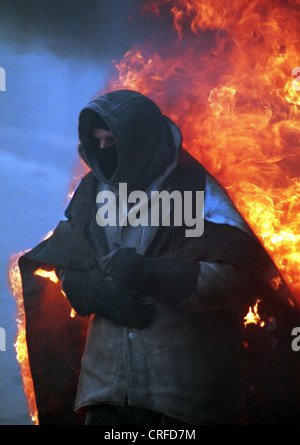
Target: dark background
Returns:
[57, 55]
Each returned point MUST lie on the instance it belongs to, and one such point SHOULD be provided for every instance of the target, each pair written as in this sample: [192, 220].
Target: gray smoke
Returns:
[75, 28]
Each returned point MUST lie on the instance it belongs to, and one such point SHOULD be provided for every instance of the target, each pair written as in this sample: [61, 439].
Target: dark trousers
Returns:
[126, 415]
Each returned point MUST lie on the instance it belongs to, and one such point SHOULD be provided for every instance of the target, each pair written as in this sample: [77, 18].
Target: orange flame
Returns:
[51, 275]
[234, 98]
[20, 344]
[47, 274]
[253, 317]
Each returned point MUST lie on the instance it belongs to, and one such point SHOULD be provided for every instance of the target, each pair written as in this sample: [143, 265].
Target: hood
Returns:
[146, 140]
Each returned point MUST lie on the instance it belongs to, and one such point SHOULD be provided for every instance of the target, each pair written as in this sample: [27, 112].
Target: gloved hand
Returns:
[168, 280]
[91, 292]
[125, 267]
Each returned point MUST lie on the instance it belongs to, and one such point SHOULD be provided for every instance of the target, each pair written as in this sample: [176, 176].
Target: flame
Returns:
[226, 81]
[51, 275]
[20, 344]
[47, 274]
[253, 316]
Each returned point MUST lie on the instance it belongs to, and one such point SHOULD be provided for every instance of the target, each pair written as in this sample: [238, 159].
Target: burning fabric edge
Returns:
[15, 285]
[20, 344]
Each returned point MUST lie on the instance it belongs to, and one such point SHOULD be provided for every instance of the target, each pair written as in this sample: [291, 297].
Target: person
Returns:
[162, 342]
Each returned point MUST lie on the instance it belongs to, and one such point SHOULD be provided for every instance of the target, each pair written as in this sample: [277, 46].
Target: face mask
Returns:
[108, 160]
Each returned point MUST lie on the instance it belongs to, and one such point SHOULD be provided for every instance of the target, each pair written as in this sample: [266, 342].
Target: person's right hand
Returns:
[91, 292]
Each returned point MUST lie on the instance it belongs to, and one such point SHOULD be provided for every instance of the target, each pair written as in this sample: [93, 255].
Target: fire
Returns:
[20, 344]
[253, 316]
[51, 275]
[47, 274]
[226, 80]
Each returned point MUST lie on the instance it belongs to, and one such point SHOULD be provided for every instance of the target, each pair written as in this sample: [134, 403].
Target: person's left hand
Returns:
[166, 279]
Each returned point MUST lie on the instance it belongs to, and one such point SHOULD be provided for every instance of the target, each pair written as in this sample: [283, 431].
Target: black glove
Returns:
[168, 280]
[91, 292]
[125, 267]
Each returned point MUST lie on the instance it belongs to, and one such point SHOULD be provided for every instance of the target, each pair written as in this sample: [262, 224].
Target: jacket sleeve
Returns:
[81, 288]
[221, 286]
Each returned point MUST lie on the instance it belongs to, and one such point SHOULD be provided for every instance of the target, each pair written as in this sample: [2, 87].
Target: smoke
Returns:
[56, 54]
[85, 29]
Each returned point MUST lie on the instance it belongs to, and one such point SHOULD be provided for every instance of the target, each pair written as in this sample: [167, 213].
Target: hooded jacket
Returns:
[188, 363]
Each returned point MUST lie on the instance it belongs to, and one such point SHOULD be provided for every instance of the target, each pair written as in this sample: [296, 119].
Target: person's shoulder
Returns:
[190, 172]
[81, 197]
[189, 164]
[85, 183]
